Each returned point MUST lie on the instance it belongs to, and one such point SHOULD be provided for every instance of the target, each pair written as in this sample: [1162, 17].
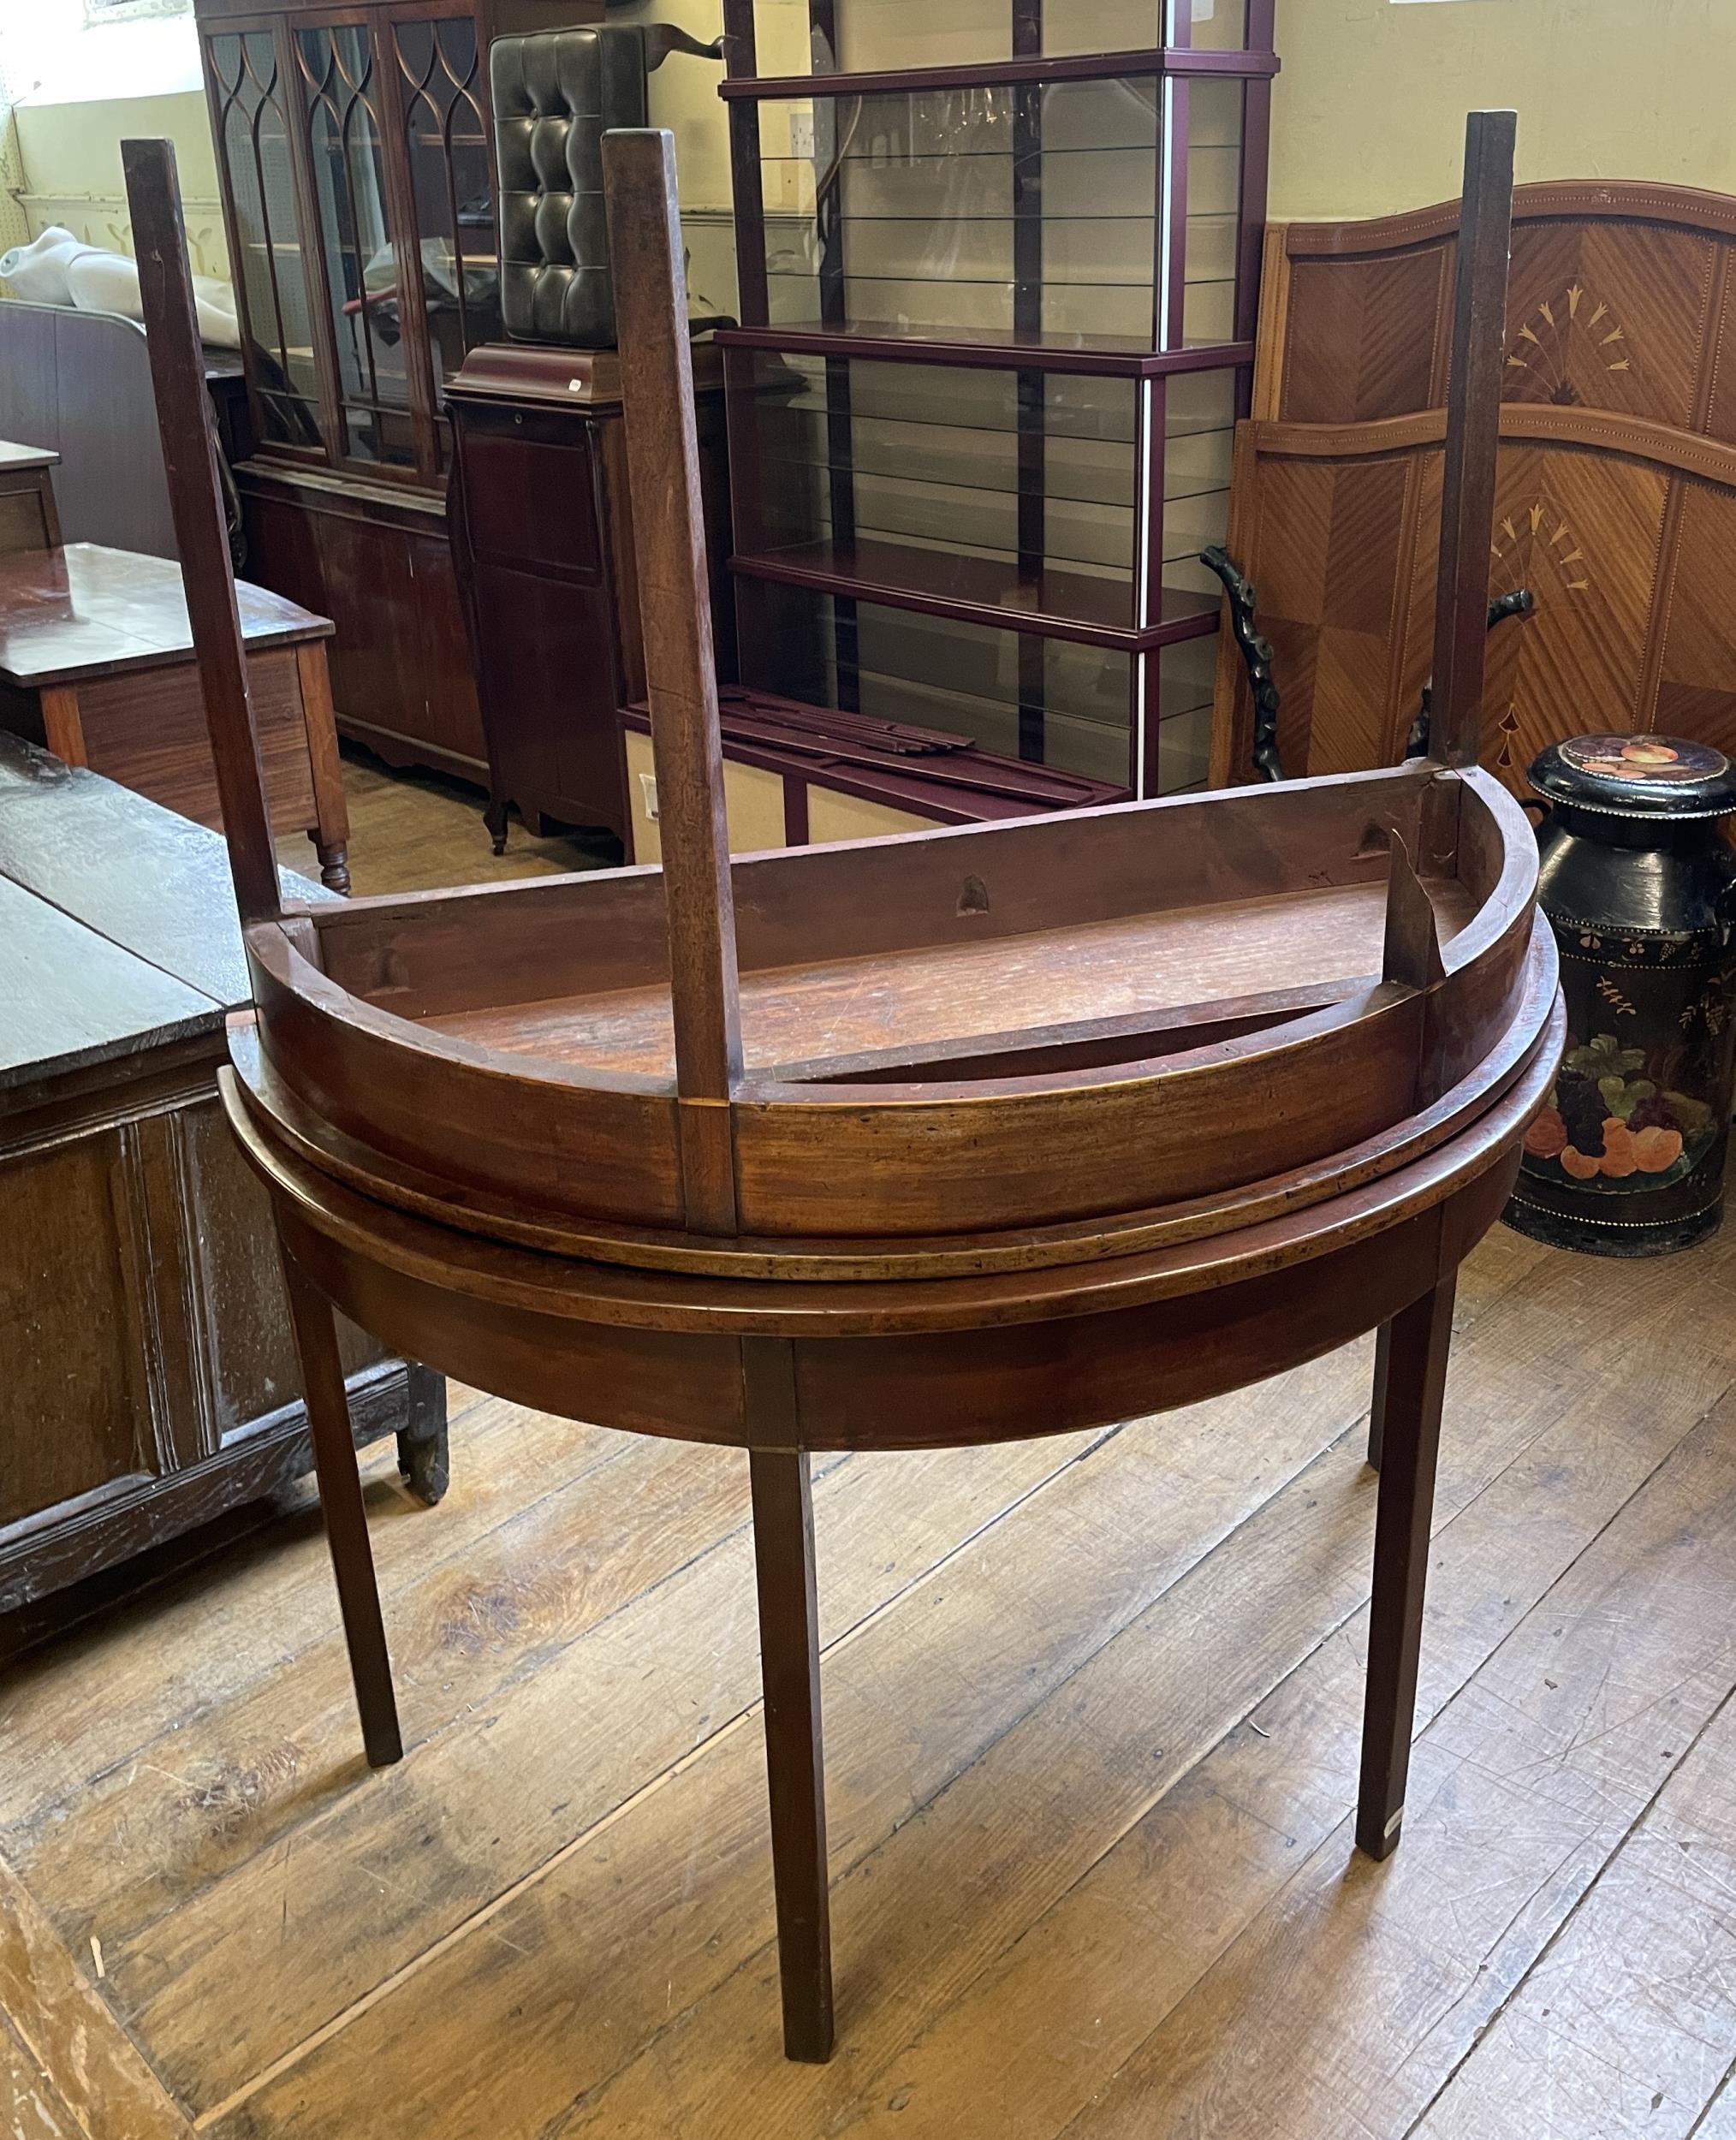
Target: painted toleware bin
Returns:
[1627, 1158]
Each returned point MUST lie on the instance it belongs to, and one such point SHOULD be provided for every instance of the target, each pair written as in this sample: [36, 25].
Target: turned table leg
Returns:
[1409, 1385]
[346, 1516]
[789, 1653]
[334, 864]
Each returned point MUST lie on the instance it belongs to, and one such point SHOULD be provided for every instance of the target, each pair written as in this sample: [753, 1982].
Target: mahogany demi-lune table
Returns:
[952, 1136]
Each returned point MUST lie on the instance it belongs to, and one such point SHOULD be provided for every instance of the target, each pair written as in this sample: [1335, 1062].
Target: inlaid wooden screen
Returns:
[1616, 503]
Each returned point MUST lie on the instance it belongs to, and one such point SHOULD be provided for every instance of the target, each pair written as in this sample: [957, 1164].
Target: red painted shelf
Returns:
[1173, 59]
[1107, 355]
[987, 591]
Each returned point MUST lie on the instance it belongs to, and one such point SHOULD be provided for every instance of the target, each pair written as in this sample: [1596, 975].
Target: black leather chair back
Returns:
[555, 92]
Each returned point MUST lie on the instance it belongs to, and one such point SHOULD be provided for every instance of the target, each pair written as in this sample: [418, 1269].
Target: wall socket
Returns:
[801, 133]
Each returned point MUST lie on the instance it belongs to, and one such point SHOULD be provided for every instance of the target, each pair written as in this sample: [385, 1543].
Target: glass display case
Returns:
[358, 180]
[998, 268]
[357, 173]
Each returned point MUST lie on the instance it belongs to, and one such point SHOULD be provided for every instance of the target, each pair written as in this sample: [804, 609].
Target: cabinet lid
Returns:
[1636, 776]
[148, 882]
[73, 998]
[536, 371]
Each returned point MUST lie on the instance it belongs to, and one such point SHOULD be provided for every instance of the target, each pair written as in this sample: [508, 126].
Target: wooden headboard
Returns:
[1616, 502]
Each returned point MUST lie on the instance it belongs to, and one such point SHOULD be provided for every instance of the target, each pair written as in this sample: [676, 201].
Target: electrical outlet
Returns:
[648, 793]
[801, 134]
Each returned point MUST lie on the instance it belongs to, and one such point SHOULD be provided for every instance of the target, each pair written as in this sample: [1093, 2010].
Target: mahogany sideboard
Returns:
[150, 1381]
[96, 663]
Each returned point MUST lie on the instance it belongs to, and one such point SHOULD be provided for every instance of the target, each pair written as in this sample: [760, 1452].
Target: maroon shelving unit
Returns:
[997, 326]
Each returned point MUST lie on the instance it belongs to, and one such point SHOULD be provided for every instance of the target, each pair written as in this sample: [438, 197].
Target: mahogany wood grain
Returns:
[681, 674]
[330, 831]
[201, 532]
[1027, 1248]
[1410, 1383]
[346, 1516]
[62, 729]
[789, 1621]
[428, 953]
[1113, 66]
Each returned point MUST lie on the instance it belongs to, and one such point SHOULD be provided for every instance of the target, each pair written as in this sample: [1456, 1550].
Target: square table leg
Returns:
[1414, 1358]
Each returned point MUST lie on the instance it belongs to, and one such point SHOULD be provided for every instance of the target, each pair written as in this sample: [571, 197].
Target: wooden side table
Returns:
[96, 663]
[28, 519]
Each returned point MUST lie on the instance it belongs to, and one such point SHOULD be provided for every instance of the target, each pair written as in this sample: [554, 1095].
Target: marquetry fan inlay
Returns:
[1541, 551]
[1543, 345]
[1617, 494]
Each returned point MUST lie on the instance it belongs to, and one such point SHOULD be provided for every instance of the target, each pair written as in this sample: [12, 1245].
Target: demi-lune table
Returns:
[950, 1136]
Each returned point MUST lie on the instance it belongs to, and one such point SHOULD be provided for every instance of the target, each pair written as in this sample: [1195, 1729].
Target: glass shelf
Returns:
[981, 490]
[917, 35]
[996, 271]
[1013, 212]
[1056, 702]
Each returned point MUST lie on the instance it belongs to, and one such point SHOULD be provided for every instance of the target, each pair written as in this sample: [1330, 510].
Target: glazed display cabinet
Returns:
[998, 284]
[359, 187]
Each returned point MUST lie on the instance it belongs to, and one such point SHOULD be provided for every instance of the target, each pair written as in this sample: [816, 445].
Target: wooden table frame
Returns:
[581, 1144]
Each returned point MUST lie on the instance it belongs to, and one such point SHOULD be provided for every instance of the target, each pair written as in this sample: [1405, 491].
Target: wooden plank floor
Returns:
[416, 831]
[1091, 1708]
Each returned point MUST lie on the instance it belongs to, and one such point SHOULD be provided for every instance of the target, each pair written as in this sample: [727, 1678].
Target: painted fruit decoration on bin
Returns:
[1609, 1121]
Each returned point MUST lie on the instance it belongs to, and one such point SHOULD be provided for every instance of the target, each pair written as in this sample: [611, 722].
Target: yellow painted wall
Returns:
[1368, 116]
[71, 157]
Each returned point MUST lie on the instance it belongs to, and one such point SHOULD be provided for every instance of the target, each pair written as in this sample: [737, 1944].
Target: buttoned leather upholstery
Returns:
[554, 93]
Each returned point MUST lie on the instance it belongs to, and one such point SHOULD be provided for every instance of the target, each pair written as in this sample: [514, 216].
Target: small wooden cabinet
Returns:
[150, 1379]
[541, 537]
[359, 187]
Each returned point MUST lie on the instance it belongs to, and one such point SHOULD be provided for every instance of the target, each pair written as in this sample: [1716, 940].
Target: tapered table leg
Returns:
[1408, 1407]
[346, 1518]
[789, 1653]
[1377, 1409]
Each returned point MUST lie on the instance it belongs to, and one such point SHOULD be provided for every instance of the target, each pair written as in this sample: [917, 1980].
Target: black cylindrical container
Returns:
[1627, 1159]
